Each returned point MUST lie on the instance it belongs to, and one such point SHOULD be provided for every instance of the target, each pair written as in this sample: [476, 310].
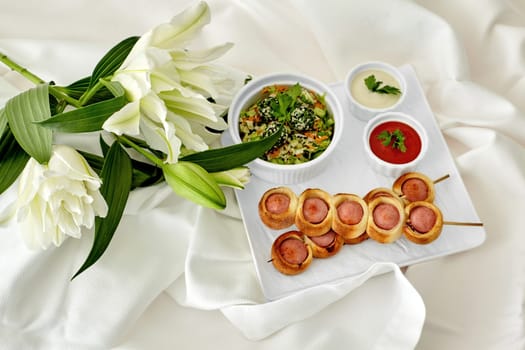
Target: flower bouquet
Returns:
[158, 109]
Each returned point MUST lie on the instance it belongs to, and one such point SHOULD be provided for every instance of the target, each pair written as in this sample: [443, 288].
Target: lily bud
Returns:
[193, 182]
[236, 177]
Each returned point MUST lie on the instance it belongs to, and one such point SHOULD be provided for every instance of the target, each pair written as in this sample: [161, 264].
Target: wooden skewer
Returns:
[458, 223]
[444, 177]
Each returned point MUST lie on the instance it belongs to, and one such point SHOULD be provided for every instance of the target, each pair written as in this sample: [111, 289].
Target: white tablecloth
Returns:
[179, 276]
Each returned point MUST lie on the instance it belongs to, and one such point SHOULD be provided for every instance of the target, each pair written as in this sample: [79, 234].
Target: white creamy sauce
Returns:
[370, 99]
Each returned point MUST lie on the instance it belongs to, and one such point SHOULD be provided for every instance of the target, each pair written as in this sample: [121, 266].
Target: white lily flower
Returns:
[57, 199]
[168, 87]
[236, 177]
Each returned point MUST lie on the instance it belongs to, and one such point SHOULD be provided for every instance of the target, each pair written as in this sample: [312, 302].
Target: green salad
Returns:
[308, 126]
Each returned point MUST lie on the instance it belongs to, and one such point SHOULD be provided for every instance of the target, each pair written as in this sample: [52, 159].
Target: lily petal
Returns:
[153, 108]
[184, 132]
[135, 83]
[182, 27]
[187, 60]
[148, 59]
[124, 121]
[68, 161]
[165, 78]
[199, 81]
[29, 181]
[161, 139]
[192, 106]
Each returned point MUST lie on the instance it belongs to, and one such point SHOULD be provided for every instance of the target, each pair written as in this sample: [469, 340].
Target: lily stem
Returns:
[19, 69]
[89, 93]
[123, 139]
[36, 79]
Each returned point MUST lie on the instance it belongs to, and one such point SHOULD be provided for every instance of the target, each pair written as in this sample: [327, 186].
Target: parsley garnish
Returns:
[285, 103]
[375, 86]
[396, 138]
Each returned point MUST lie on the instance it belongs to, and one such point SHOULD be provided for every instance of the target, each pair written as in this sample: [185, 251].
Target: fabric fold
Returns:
[471, 67]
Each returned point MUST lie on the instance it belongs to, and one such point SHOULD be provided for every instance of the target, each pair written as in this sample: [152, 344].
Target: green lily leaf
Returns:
[103, 145]
[192, 182]
[22, 112]
[144, 174]
[3, 121]
[116, 184]
[13, 159]
[88, 118]
[112, 60]
[234, 156]
[114, 87]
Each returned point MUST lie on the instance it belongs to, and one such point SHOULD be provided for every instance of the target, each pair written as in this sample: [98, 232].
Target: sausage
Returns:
[277, 203]
[424, 222]
[291, 254]
[293, 251]
[415, 189]
[422, 219]
[350, 216]
[325, 245]
[277, 207]
[315, 210]
[386, 216]
[386, 219]
[324, 240]
[350, 212]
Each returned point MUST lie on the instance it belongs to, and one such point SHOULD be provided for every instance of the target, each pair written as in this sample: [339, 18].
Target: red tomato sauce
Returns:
[393, 155]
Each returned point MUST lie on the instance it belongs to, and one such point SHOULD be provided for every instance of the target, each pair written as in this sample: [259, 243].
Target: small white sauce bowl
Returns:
[386, 168]
[362, 111]
[286, 173]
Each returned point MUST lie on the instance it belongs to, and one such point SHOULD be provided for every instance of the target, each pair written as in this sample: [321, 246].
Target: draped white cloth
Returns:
[180, 276]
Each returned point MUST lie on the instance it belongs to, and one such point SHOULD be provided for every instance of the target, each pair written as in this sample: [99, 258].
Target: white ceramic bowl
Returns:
[286, 173]
[384, 103]
[384, 167]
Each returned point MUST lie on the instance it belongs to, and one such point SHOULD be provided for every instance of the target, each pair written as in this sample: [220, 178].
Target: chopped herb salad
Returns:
[308, 125]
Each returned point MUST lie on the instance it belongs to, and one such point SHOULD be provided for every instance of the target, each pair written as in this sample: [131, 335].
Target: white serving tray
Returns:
[348, 171]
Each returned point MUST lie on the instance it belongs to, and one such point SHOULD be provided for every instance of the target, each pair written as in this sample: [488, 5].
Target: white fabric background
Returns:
[178, 276]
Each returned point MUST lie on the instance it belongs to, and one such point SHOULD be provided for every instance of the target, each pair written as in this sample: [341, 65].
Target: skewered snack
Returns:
[290, 254]
[424, 222]
[325, 245]
[350, 216]
[413, 186]
[381, 192]
[325, 223]
[314, 212]
[277, 207]
[386, 219]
